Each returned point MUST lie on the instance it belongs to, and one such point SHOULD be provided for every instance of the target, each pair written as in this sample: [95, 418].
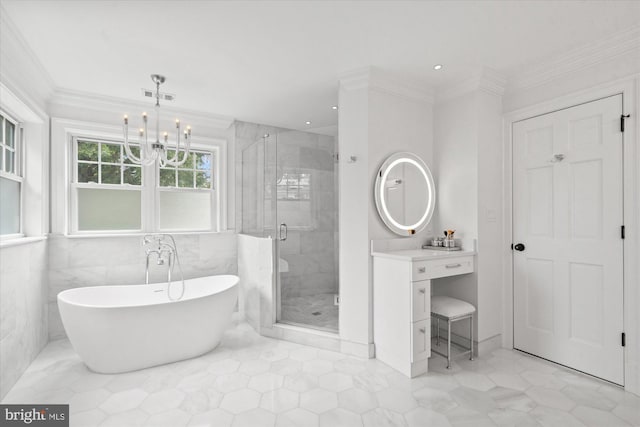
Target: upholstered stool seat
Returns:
[451, 310]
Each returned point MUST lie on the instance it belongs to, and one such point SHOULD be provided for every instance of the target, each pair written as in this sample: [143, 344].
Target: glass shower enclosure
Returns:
[290, 193]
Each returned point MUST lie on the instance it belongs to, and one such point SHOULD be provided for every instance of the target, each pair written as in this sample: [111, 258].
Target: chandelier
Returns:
[150, 152]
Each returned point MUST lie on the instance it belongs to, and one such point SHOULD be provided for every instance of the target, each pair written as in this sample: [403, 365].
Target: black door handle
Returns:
[518, 247]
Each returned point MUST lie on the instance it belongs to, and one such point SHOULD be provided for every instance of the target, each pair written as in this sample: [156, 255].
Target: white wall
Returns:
[24, 87]
[469, 161]
[377, 117]
[456, 159]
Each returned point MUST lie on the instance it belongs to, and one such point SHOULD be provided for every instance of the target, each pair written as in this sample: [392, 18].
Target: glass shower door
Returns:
[302, 170]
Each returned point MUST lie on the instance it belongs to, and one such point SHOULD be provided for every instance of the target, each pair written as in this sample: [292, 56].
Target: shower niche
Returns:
[289, 194]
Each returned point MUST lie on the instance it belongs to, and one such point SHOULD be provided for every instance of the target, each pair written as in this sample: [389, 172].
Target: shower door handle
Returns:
[283, 232]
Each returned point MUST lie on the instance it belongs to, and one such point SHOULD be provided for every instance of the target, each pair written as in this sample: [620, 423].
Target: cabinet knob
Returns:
[422, 270]
[423, 291]
[423, 330]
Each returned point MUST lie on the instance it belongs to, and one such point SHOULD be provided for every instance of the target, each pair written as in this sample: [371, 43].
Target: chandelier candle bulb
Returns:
[178, 123]
[126, 119]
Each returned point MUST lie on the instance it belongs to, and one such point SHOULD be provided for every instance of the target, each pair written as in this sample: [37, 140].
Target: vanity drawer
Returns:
[420, 300]
[432, 269]
[420, 340]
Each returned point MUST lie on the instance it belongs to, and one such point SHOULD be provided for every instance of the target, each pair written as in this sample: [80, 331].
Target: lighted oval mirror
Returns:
[405, 193]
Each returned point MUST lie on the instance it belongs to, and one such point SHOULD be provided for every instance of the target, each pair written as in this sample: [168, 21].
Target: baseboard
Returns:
[364, 351]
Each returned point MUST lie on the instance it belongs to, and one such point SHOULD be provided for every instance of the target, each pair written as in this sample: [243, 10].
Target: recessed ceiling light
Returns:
[437, 67]
[334, 107]
[307, 122]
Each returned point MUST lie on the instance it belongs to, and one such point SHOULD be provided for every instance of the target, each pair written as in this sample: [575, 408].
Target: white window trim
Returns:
[66, 218]
[18, 175]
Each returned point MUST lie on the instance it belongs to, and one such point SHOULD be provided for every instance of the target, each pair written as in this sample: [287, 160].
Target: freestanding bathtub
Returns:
[124, 328]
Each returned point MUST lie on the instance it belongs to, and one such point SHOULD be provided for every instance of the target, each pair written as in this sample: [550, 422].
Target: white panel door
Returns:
[567, 212]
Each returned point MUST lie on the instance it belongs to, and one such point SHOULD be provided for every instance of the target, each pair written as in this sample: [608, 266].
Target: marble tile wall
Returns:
[255, 269]
[120, 260]
[23, 309]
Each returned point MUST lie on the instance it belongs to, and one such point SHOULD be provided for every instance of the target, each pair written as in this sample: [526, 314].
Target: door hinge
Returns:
[622, 117]
[622, 231]
[624, 340]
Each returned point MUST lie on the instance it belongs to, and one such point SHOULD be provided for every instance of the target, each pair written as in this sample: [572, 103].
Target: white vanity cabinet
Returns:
[402, 303]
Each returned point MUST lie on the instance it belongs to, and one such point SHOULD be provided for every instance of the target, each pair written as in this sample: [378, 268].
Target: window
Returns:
[108, 188]
[185, 193]
[11, 180]
[294, 186]
[111, 194]
[293, 192]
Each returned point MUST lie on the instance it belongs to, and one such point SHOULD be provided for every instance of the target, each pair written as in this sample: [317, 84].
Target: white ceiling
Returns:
[279, 62]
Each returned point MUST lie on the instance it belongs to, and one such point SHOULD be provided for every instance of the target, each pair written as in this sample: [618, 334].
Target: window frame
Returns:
[18, 174]
[149, 188]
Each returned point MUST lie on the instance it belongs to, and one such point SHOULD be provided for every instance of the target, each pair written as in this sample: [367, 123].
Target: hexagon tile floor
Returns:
[252, 381]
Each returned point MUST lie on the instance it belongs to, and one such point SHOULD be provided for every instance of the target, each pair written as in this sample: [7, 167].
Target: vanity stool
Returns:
[451, 310]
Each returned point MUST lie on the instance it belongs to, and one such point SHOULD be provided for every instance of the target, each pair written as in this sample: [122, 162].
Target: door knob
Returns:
[518, 247]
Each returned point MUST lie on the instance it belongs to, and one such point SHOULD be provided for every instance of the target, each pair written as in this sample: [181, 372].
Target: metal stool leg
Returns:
[471, 336]
[448, 344]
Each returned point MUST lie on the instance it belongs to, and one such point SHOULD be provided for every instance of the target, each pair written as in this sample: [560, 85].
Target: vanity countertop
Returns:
[421, 254]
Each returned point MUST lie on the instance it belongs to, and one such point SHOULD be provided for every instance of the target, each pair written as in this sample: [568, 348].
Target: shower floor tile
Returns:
[242, 384]
[317, 311]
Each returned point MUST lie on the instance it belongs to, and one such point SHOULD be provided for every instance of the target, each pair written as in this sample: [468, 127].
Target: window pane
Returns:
[188, 164]
[100, 209]
[203, 161]
[10, 134]
[185, 179]
[135, 150]
[185, 210]
[87, 172]
[203, 179]
[10, 206]
[110, 174]
[11, 161]
[305, 193]
[132, 175]
[167, 177]
[110, 153]
[2, 159]
[88, 151]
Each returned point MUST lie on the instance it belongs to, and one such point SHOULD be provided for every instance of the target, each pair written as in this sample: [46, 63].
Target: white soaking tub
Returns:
[124, 328]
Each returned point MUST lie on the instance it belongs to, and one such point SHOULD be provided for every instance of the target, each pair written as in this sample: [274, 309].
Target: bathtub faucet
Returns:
[163, 246]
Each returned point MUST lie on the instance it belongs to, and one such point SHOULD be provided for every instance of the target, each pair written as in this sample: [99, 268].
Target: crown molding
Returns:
[20, 69]
[375, 79]
[484, 80]
[626, 42]
[66, 98]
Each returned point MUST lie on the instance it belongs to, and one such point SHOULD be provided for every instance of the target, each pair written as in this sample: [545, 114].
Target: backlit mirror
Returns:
[405, 193]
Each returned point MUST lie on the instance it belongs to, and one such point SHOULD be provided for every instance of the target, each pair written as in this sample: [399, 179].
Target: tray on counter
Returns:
[442, 248]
